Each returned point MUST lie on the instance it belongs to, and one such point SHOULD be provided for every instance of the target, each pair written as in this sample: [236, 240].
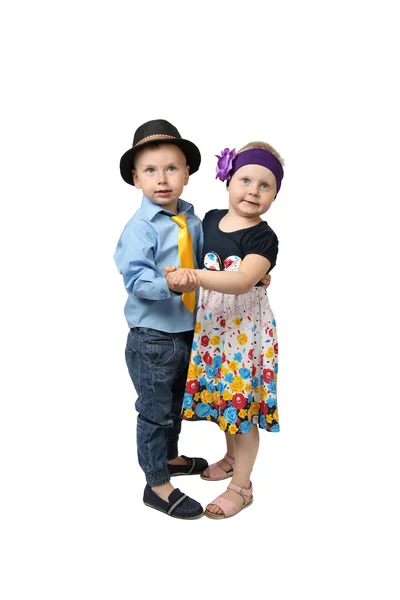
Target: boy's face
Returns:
[161, 173]
[252, 190]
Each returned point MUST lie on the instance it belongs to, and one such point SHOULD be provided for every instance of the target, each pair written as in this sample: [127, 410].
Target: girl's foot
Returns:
[232, 501]
[219, 470]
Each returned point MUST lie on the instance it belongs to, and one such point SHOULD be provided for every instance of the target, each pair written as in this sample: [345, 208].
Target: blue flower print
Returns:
[254, 382]
[203, 410]
[210, 387]
[221, 387]
[273, 323]
[276, 368]
[275, 427]
[211, 372]
[229, 377]
[244, 373]
[213, 413]
[263, 422]
[197, 359]
[272, 387]
[238, 356]
[217, 362]
[271, 401]
[230, 415]
[245, 426]
[187, 400]
[194, 346]
[202, 381]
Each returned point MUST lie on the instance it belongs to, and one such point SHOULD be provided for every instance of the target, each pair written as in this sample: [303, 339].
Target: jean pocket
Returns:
[160, 352]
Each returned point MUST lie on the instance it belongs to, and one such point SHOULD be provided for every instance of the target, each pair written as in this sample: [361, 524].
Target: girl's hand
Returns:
[182, 280]
[170, 269]
[266, 280]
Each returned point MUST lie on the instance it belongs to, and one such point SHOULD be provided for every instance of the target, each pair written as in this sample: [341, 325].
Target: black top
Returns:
[259, 239]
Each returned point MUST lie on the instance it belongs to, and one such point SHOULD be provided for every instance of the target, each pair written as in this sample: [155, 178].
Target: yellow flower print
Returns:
[275, 416]
[216, 397]
[253, 410]
[193, 371]
[222, 423]
[189, 413]
[215, 340]
[247, 387]
[242, 413]
[232, 429]
[196, 396]
[269, 418]
[237, 384]
[264, 393]
[227, 396]
[201, 371]
[242, 338]
[233, 365]
[206, 396]
[269, 353]
[224, 370]
[237, 321]
[197, 327]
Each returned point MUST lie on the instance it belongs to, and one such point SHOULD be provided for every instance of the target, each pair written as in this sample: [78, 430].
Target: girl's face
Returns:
[252, 190]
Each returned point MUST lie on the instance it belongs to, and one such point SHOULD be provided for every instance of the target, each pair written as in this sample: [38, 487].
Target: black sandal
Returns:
[194, 466]
[179, 505]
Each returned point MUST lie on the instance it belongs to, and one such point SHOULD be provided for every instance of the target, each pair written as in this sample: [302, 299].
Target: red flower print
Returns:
[222, 322]
[192, 386]
[212, 268]
[204, 340]
[263, 407]
[276, 348]
[222, 403]
[227, 263]
[253, 370]
[271, 332]
[223, 357]
[250, 354]
[207, 358]
[238, 422]
[268, 375]
[239, 401]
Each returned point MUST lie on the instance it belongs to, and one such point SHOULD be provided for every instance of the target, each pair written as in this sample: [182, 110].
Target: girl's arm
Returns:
[252, 269]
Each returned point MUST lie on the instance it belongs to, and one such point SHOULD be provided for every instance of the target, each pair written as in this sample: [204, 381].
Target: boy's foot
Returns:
[183, 465]
[219, 470]
[177, 505]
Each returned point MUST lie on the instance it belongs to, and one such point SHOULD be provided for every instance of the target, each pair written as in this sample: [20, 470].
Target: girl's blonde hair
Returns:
[264, 146]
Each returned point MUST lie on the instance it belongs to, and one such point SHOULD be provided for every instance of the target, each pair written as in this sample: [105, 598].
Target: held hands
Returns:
[181, 280]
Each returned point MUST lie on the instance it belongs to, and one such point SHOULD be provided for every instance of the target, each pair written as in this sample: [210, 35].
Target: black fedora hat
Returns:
[158, 132]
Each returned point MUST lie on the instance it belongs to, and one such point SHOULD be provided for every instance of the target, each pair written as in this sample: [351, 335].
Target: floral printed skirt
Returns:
[233, 368]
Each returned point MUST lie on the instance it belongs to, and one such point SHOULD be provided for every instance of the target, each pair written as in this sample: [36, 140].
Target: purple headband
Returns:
[229, 162]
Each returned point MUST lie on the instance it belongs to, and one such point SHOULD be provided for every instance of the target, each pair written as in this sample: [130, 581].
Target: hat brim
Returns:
[189, 149]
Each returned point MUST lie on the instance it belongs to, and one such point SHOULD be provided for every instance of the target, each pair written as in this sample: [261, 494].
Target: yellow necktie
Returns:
[185, 248]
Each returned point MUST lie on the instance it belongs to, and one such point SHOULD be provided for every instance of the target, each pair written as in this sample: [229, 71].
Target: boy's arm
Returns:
[135, 261]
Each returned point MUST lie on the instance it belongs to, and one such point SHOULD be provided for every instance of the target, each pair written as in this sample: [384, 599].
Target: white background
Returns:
[318, 81]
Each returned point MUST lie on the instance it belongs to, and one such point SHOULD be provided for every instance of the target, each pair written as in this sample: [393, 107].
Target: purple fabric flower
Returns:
[224, 164]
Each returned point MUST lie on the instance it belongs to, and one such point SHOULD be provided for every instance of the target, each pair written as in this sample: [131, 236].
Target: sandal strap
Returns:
[246, 493]
[229, 460]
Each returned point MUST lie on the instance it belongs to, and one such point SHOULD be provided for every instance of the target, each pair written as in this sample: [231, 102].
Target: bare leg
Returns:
[246, 449]
[230, 450]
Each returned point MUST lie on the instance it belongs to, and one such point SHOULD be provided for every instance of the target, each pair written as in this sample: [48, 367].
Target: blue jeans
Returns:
[158, 364]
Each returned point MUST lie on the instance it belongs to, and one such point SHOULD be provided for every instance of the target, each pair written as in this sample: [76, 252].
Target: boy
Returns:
[161, 321]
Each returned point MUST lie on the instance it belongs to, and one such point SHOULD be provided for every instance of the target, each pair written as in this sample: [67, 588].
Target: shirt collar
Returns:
[151, 209]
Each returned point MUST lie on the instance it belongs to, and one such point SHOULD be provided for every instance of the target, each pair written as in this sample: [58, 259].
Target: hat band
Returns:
[157, 136]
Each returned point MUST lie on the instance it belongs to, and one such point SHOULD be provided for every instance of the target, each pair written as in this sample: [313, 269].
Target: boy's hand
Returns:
[182, 280]
[266, 280]
[170, 269]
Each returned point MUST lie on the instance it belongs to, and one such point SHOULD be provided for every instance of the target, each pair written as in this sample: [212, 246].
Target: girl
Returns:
[234, 361]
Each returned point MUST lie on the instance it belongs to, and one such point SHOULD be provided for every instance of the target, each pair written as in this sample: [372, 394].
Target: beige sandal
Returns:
[230, 508]
[217, 473]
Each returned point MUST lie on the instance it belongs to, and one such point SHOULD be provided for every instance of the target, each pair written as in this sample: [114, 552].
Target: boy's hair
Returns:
[264, 146]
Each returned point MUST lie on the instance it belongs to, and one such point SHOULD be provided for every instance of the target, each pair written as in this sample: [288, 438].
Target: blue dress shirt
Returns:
[149, 243]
